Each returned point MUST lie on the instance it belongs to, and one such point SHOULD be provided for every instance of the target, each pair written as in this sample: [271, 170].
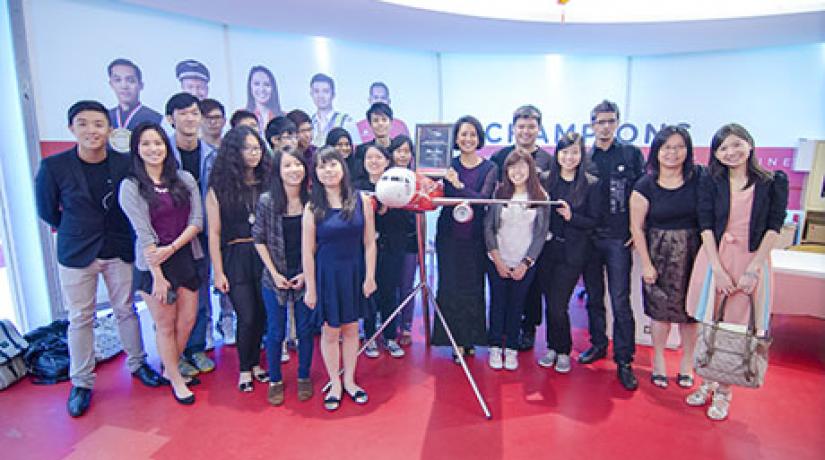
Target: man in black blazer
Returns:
[76, 194]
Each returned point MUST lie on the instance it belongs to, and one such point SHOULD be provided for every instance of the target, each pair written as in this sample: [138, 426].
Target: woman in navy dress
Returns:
[339, 254]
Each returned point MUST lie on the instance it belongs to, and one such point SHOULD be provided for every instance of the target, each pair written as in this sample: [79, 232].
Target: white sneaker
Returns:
[372, 350]
[228, 329]
[548, 359]
[563, 364]
[395, 350]
[702, 395]
[284, 353]
[510, 359]
[495, 358]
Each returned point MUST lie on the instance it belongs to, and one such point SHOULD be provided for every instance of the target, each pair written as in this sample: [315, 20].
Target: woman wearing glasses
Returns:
[239, 176]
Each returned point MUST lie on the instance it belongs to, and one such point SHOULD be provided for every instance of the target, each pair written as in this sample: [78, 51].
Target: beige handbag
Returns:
[727, 355]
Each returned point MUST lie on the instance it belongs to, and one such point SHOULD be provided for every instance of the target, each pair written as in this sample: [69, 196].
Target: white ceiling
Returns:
[526, 28]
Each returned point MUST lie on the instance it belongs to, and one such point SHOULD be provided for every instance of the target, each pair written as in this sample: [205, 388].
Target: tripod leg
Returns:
[384, 324]
[461, 361]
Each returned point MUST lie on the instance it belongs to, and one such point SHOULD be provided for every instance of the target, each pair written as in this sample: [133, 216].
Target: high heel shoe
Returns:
[187, 401]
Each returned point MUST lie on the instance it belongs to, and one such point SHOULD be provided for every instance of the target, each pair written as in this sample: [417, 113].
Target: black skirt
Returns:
[179, 269]
[461, 268]
[672, 253]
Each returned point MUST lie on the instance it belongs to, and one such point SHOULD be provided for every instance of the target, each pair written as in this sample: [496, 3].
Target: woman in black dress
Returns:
[665, 229]
[460, 246]
[239, 176]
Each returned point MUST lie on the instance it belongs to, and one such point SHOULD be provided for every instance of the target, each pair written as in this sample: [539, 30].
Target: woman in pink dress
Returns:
[741, 211]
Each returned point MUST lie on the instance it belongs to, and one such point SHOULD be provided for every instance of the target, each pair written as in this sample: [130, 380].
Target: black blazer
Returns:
[65, 202]
[770, 201]
[578, 232]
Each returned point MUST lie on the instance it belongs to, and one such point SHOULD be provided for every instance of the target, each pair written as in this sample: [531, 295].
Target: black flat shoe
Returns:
[187, 401]
[684, 380]
[592, 354]
[658, 380]
[246, 387]
[359, 397]
[79, 401]
[262, 377]
[193, 381]
[626, 377]
[149, 376]
[331, 403]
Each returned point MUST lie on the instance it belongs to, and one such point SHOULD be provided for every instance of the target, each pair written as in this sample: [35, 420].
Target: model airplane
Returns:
[403, 188]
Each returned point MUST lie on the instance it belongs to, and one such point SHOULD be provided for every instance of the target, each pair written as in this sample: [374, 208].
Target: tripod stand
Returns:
[427, 300]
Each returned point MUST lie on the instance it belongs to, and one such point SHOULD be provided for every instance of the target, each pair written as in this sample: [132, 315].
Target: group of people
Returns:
[291, 236]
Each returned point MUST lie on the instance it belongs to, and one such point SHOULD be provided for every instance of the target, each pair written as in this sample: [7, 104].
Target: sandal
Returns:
[701, 395]
[359, 396]
[719, 406]
[261, 375]
[684, 380]
[331, 403]
[659, 380]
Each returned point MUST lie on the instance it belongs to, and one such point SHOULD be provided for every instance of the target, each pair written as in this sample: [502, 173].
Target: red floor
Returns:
[422, 407]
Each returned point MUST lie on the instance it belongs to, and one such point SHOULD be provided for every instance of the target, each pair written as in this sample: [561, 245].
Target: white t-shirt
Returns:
[516, 231]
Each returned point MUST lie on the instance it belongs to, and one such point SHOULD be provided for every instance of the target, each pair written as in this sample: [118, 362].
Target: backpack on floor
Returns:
[47, 358]
[12, 348]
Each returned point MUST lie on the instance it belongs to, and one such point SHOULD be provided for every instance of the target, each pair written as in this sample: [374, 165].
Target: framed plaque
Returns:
[433, 148]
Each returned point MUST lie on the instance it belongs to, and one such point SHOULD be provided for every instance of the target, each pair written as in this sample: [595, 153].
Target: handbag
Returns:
[12, 347]
[730, 356]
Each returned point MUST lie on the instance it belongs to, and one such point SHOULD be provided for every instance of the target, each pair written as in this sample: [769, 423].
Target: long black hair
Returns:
[277, 192]
[228, 173]
[718, 171]
[688, 167]
[168, 175]
[318, 202]
[577, 191]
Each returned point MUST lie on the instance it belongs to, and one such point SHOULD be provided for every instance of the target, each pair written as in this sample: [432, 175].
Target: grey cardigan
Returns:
[137, 210]
[541, 224]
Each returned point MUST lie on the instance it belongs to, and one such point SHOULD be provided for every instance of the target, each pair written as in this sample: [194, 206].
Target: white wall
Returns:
[69, 62]
[777, 93]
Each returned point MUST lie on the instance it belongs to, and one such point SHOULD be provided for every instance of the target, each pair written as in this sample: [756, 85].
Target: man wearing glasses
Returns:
[197, 157]
[76, 194]
[214, 119]
[618, 166]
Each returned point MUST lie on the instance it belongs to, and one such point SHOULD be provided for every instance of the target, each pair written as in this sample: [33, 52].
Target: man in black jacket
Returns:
[76, 194]
[618, 166]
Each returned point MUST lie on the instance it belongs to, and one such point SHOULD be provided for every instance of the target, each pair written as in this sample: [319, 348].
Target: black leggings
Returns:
[243, 268]
[558, 279]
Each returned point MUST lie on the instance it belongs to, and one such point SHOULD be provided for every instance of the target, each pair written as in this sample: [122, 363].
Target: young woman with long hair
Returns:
[277, 234]
[742, 209]
[339, 255]
[240, 175]
[164, 206]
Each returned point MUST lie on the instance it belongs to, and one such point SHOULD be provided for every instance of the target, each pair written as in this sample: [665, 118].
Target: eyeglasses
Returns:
[214, 118]
[252, 149]
[610, 121]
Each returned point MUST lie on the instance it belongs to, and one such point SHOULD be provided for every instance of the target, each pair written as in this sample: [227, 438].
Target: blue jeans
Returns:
[197, 339]
[276, 333]
[507, 298]
[613, 255]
